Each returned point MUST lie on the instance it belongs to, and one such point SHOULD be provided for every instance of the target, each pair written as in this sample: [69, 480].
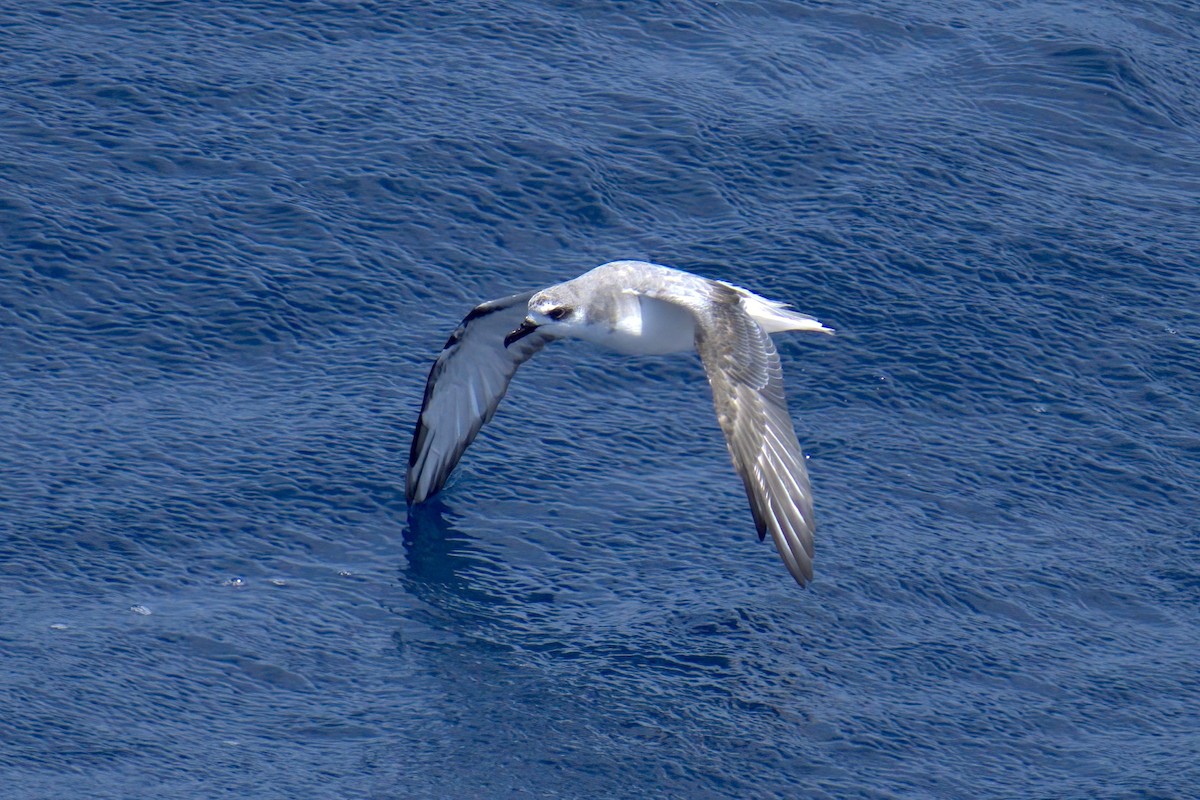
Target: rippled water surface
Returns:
[236, 234]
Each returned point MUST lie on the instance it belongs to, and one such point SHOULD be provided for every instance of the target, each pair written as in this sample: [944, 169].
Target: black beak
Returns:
[527, 327]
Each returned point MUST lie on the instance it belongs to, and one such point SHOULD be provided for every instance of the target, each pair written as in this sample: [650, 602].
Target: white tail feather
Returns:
[774, 316]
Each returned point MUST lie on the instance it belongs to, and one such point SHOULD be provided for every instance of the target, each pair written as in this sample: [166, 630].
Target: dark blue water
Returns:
[234, 236]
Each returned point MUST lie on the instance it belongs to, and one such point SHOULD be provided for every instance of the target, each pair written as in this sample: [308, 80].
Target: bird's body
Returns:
[636, 308]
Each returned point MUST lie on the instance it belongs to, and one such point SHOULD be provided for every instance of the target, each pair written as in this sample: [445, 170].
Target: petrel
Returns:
[636, 308]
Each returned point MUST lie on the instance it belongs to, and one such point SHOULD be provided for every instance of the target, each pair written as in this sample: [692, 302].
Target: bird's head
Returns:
[555, 311]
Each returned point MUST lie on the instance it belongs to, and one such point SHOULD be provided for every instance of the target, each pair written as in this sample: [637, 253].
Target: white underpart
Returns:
[649, 327]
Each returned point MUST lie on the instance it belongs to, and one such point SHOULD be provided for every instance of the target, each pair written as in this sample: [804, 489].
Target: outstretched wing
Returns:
[747, 384]
[465, 385]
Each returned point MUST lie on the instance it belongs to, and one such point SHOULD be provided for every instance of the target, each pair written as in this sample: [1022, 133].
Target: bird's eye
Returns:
[557, 313]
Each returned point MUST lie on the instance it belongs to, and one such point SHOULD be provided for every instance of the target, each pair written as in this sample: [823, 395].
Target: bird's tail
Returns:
[775, 317]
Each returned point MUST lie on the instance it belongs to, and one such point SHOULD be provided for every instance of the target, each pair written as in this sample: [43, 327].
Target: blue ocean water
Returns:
[235, 235]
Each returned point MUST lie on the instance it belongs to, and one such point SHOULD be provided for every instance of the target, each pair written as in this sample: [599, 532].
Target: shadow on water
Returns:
[434, 547]
[445, 568]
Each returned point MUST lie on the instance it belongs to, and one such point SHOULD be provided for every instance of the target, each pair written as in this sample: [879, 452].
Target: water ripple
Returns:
[236, 235]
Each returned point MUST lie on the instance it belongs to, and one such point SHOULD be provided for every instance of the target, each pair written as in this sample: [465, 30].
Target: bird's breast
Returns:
[647, 326]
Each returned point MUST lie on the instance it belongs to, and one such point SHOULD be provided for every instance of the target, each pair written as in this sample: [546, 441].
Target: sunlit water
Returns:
[235, 236]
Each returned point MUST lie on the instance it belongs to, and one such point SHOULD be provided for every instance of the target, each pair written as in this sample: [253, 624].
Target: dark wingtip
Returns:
[760, 522]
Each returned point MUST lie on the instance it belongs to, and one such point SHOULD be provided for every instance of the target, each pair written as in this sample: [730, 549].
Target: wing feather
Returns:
[465, 385]
[747, 384]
